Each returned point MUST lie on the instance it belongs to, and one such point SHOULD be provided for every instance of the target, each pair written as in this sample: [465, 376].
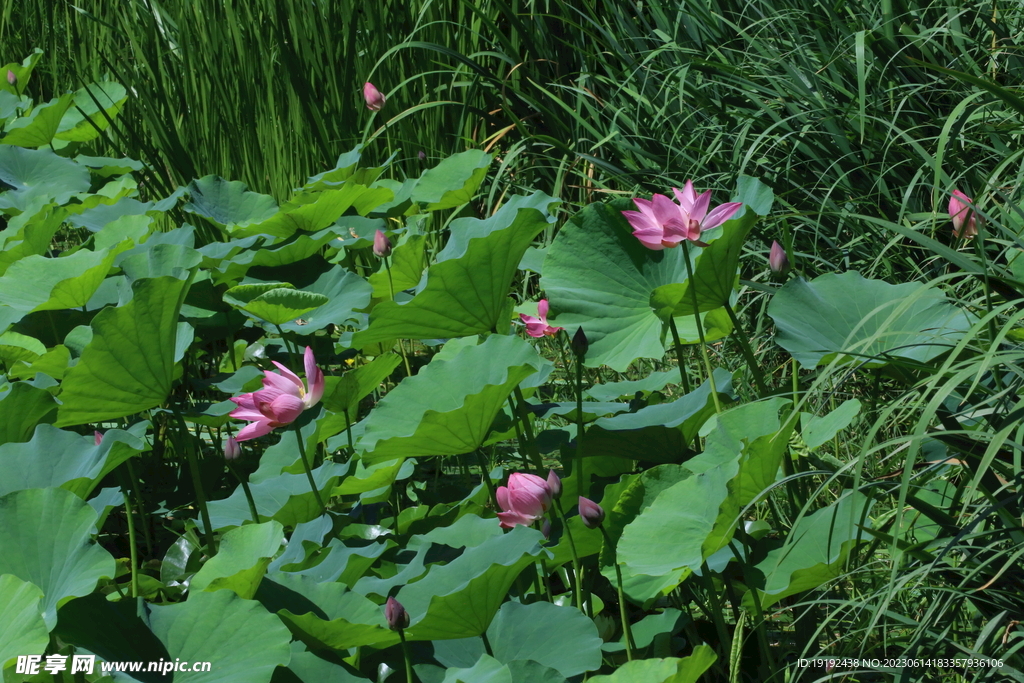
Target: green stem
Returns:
[700, 327]
[487, 644]
[391, 287]
[627, 633]
[348, 433]
[578, 588]
[716, 608]
[524, 419]
[246, 491]
[405, 656]
[486, 475]
[288, 345]
[679, 354]
[132, 541]
[140, 505]
[197, 484]
[309, 472]
[748, 352]
[582, 485]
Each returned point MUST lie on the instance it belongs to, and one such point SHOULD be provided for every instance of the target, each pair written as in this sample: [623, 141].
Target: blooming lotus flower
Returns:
[777, 259]
[395, 615]
[538, 327]
[281, 400]
[961, 210]
[662, 224]
[381, 244]
[374, 98]
[591, 513]
[525, 500]
[231, 449]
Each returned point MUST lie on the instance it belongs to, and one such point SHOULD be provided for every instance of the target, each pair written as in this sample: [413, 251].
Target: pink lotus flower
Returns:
[11, 78]
[374, 98]
[538, 327]
[777, 259]
[661, 223]
[281, 400]
[961, 210]
[231, 449]
[524, 501]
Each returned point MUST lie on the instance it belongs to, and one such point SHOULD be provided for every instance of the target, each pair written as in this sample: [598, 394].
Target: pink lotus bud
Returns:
[97, 437]
[591, 513]
[11, 78]
[555, 484]
[580, 344]
[965, 222]
[777, 259]
[525, 500]
[374, 98]
[381, 244]
[545, 528]
[231, 449]
[395, 615]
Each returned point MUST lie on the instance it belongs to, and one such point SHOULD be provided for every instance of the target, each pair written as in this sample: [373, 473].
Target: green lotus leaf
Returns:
[46, 535]
[613, 391]
[459, 599]
[22, 71]
[514, 635]
[37, 128]
[344, 393]
[39, 175]
[599, 277]
[819, 430]
[23, 407]
[128, 366]
[467, 289]
[347, 293]
[241, 560]
[91, 111]
[33, 236]
[229, 204]
[855, 320]
[98, 217]
[276, 303]
[296, 248]
[668, 670]
[22, 628]
[124, 636]
[240, 637]
[407, 263]
[106, 167]
[415, 419]
[815, 550]
[71, 461]
[38, 283]
[15, 347]
[313, 211]
[312, 669]
[453, 182]
[158, 260]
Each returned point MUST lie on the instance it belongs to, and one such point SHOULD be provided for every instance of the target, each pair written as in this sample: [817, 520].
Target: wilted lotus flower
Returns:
[524, 501]
[281, 400]
[97, 437]
[777, 259]
[591, 513]
[11, 78]
[538, 327]
[661, 223]
[395, 615]
[374, 98]
[381, 244]
[961, 210]
[231, 449]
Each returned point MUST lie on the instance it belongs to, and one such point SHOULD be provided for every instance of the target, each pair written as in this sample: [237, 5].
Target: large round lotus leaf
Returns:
[452, 182]
[277, 304]
[459, 599]
[243, 641]
[467, 289]
[37, 128]
[406, 269]
[599, 277]
[71, 461]
[311, 211]
[38, 283]
[416, 419]
[23, 407]
[815, 550]
[668, 670]
[228, 204]
[346, 291]
[46, 536]
[39, 174]
[525, 632]
[22, 629]
[84, 120]
[241, 560]
[156, 260]
[128, 366]
[863, 321]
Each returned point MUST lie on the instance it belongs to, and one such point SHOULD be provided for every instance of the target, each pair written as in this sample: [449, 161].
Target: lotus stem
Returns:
[245, 489]
[132, 541]
[139, 504]
[627, 633]
[748, 352]
[577, 589]
[582, 487]
[524, 420]
[679, 354]
[391, 287]
[692, 286]
[405, 656]
[486, 475]
[309, 472]
[197, 484]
